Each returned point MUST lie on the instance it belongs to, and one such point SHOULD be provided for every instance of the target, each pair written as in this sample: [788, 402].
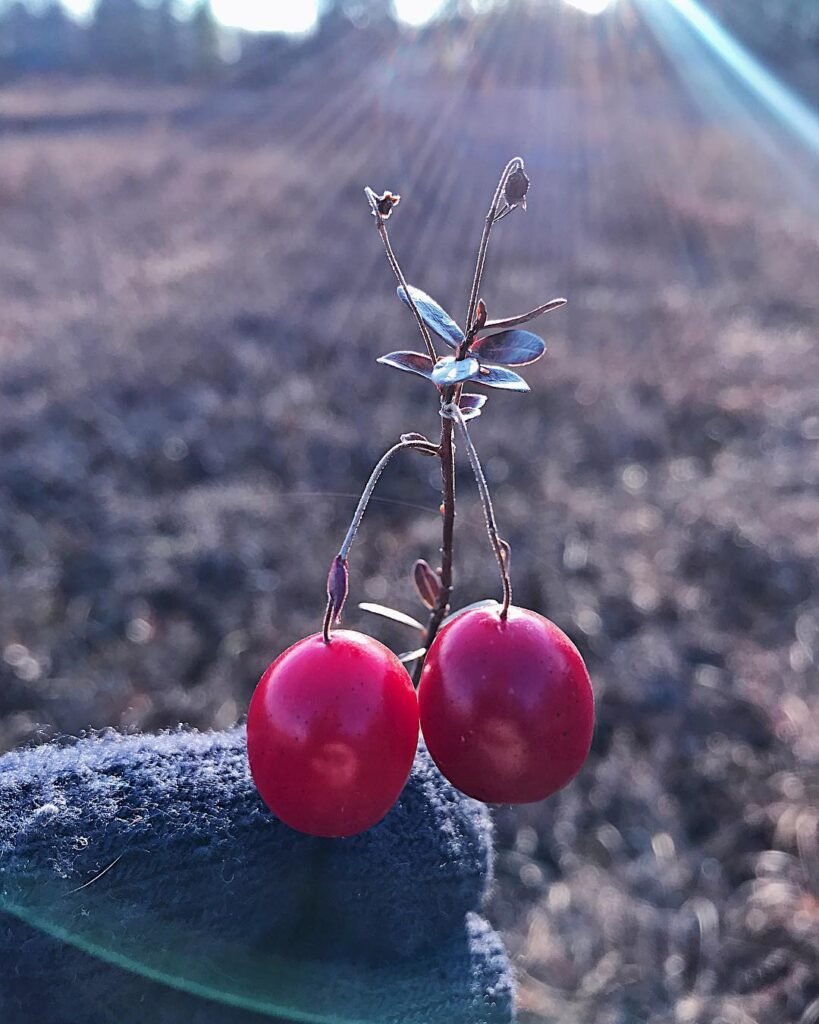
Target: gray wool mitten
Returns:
[142, 878]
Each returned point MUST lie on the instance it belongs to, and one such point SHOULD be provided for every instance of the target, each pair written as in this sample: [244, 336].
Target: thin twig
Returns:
[399, 274]
[425, 446]
[499, 546]
[447, 455]
[366, 494]
[514, 164]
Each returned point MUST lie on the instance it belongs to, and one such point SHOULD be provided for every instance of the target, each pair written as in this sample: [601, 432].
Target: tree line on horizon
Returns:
[152, 40]
[123, 38]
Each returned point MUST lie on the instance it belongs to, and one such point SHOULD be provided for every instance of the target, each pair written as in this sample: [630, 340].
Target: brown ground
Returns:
[193, 297]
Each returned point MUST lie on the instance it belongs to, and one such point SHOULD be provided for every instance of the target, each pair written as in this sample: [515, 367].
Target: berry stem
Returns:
[499, 545]
[366, 494]
[429, 448]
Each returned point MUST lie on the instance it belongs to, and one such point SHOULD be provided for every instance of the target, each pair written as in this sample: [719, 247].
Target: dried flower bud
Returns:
[337, 584]
[517, 185]
[386, 203]
[480, 316]
[418, 437]
[427, 583]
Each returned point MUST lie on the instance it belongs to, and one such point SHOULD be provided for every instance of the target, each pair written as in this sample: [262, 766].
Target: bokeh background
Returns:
[193, 298]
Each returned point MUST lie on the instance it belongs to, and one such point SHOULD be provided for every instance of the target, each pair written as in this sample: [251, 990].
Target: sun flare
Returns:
[591, 6]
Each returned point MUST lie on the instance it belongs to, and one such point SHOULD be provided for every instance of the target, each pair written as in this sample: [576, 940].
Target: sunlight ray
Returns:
[780, 101]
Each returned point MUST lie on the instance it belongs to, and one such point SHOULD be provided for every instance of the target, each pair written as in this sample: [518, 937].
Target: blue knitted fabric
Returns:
[142, 877]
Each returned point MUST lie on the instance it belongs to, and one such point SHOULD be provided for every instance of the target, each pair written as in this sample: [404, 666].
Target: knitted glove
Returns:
[142, 877]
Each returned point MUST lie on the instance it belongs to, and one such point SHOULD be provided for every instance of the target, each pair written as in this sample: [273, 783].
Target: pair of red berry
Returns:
[505, 706]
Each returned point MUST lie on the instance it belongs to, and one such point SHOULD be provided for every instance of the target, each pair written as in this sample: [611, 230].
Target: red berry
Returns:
[507, 708]
[331, 733]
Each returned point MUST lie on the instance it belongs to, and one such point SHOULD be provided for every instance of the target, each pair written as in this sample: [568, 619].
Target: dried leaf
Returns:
[410, 362]
[337, 585]
[427, 582]
[391, 613]
[412, 655]
[480, 317]
[510, 348]
[471, 405]
[434, 316]
[523, 318]
[449, 370]
[468, 401]
[498, 377]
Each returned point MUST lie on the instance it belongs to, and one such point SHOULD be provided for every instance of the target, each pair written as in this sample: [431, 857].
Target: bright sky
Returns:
[591, 6]
[300, 15]
[267, 15]
[281, 15]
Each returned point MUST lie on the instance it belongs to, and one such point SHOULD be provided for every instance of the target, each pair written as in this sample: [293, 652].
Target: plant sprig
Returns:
[475, 357]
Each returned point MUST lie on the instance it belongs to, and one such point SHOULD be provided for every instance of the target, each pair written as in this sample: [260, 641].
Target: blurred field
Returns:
[193, 298]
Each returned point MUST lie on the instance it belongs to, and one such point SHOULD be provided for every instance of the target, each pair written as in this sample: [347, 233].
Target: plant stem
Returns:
[499, 545]
[446, 447]
[514, 164]
[447, 456]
